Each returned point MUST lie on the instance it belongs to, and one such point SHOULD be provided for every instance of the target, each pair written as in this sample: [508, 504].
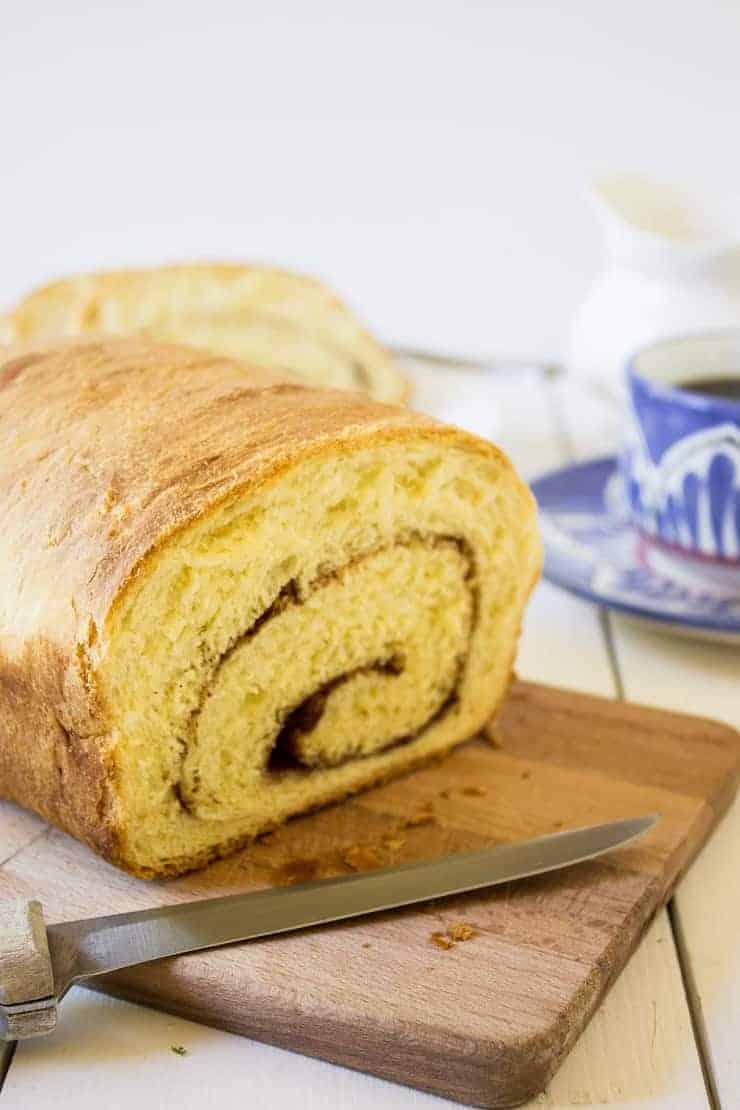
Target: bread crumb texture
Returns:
[460, 931]
[441, 940]
[295, 593]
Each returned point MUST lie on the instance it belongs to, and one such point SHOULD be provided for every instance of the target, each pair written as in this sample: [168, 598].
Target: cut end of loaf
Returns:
[347, 619]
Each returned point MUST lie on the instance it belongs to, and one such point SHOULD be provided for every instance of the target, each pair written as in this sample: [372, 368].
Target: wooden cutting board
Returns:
[485, 1020]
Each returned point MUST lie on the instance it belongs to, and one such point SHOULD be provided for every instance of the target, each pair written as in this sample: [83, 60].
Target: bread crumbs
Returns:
[393, 843]
[300, 871]
[418, 819]
[362, 857]
[179, 1049]
[461, 931]
[441, 940]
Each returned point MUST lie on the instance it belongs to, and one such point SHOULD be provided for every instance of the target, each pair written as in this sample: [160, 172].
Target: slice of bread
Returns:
[227, 598]
[271, 318]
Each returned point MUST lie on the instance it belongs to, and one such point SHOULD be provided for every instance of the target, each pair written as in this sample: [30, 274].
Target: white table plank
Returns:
[673, 672]
[633, 1054]
[685, 675]
[610, 1065]
[563, 643]
[587, 419]
[662, 670]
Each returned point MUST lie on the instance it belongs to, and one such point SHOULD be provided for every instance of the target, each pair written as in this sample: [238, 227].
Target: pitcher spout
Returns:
[672, 267]
[647, 223]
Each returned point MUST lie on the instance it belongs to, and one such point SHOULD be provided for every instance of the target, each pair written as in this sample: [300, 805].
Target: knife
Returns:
[38, 963]
[491, 364]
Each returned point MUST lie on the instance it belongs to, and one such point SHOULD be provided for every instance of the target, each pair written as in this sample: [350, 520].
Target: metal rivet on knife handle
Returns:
[27, 1005]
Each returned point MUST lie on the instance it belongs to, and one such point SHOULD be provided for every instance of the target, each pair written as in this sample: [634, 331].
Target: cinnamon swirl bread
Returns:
[227, 598]
[272, 318]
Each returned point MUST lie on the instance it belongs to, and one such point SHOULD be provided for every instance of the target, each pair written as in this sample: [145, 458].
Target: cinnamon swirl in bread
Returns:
[227, 598]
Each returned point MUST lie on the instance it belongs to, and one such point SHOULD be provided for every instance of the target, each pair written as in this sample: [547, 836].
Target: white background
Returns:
[430, 158]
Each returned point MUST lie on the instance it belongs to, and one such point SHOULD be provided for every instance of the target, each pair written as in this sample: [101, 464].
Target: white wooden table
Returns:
[668, 1034]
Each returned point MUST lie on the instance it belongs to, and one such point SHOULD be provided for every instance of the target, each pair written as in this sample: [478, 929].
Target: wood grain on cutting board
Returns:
[487, 1020]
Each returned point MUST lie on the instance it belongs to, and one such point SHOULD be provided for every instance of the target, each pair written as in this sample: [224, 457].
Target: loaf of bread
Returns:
[228, 598]
[271, 318]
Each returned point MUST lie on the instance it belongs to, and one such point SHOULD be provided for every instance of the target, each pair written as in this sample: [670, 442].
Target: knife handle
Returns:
[27, 1005]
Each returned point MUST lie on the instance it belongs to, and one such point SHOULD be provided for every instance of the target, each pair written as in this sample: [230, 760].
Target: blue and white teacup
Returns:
[681, 459]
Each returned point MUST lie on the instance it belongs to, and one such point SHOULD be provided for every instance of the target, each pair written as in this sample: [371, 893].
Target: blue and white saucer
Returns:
[593, 550]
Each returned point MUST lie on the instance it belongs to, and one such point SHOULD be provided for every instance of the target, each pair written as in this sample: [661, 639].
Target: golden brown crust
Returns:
[109, 448]
[194, 302]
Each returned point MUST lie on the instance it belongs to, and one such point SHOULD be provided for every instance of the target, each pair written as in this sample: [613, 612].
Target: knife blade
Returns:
[80, 950]
[488, 364]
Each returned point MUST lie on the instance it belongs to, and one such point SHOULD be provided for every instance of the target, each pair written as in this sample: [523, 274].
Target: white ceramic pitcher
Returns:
[673, 267]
